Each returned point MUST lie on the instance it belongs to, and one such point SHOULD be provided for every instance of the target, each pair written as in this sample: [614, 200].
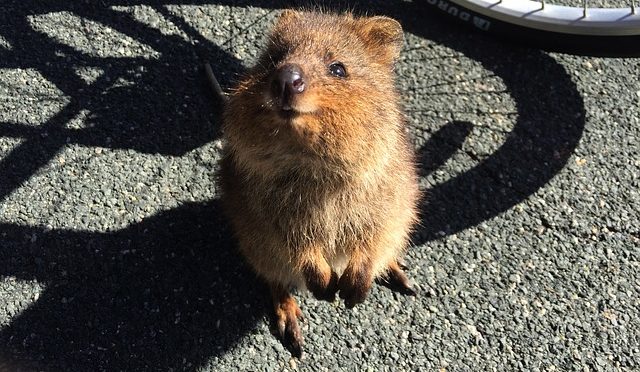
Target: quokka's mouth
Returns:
[285, 103]
[287, 114]
[288, 108]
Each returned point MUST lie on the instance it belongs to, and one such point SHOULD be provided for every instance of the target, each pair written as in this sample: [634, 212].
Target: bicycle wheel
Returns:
[583, 30]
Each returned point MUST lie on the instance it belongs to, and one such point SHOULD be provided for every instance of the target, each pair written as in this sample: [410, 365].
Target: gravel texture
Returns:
[114, 255]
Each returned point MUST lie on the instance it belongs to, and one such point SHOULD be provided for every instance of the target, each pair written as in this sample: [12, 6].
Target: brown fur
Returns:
[328, 197]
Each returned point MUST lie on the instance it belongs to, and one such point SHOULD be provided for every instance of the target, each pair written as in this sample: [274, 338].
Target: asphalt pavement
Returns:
[114, 255]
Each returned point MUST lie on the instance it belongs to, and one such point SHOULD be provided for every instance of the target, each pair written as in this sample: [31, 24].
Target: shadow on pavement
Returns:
[164, 294]
[170, 292]
[167, 293]
[549, 126]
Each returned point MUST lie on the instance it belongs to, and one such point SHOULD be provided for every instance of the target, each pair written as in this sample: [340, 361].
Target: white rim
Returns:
[557, 18]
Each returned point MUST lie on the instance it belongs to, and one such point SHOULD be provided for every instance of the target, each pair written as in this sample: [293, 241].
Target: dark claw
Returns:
[291, 336]
[397, 287]
[397, 281]
[294, 341]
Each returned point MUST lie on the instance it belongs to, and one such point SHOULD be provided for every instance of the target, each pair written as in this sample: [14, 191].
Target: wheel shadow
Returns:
[169, 292]
[549, 125]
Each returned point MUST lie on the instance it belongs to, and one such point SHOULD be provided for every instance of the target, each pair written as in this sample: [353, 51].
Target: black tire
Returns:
[564, 42]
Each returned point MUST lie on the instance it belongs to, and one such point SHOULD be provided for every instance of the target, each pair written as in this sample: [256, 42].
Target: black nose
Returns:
[288, 81]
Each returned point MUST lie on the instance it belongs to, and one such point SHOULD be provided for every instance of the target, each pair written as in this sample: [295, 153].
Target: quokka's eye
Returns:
[337, 69]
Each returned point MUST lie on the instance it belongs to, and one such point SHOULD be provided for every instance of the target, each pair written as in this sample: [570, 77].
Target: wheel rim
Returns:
[549, 17]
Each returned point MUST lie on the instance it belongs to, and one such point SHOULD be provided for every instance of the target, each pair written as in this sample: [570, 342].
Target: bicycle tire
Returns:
[556, 28]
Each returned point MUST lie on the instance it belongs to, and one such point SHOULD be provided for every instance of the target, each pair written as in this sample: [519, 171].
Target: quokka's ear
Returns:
[383, 35]
[286, 17]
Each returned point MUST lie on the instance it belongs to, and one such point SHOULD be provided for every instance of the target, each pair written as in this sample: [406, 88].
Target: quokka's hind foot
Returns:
[287, 315]
[397, 280]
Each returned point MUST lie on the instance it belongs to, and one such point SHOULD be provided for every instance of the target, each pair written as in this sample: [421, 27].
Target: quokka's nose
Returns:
[288, 81]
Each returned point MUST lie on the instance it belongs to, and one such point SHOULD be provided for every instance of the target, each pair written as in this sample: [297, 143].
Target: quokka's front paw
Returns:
[323, 285]
[327, 292]
[354, 284]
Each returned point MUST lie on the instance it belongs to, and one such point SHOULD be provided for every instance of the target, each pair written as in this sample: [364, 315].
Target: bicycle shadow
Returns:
[163, 294]
[549, 125]
[149, 297]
